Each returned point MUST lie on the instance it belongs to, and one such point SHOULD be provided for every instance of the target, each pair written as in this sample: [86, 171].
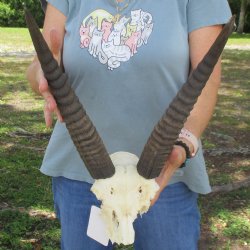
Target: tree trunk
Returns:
[242, 16]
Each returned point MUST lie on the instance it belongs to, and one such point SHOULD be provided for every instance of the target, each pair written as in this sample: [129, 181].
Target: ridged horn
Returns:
[44, 5]
[80, 127]
[166, 132]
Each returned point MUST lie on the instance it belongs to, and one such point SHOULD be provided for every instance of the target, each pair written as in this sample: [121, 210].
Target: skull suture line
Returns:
[123, 196]
[120, 179]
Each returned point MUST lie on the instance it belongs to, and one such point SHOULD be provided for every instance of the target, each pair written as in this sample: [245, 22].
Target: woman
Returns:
[126, 61]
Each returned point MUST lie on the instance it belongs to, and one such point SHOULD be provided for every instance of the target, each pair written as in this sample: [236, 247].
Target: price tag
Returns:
[96, 227]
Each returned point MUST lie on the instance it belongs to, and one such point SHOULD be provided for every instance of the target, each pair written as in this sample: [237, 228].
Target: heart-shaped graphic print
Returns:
[115, 39]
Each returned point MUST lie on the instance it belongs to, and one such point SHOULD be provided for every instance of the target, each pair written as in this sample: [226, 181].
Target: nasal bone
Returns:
[127, 231]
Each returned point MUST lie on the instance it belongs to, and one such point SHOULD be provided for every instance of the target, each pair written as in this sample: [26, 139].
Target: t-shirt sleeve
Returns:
[61, 5]
[202, 13]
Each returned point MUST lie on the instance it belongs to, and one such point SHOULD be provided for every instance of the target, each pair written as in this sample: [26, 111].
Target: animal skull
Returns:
[123, 183]
[124, 195]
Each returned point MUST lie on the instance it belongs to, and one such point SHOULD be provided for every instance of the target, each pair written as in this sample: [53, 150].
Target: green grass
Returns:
[22, 184]
[28, 232]
[239, 39]
[226, 220]
[15, 39]
[18, 39]
[225, 217]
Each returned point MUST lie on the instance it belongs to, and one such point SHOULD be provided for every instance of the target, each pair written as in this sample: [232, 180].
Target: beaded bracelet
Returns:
[191, 138]
[188, 154]
[185, 146]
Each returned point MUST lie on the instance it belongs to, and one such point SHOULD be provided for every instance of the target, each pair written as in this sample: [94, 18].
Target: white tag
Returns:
[96, 227]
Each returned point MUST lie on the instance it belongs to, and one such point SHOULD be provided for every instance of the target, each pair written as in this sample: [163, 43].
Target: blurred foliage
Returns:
[235, 7]
[12, 12]
[6, 14]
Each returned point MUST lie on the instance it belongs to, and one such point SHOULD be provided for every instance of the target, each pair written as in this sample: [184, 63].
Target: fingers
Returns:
[152, 202]
[50, 106]
[58, 114]
[48, 113]
[176, 158]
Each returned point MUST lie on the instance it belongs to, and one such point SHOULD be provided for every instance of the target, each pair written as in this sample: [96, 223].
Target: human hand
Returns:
[50, 106]
[176, 158]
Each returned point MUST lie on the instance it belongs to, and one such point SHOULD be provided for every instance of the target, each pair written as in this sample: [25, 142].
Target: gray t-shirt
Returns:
[126, 66]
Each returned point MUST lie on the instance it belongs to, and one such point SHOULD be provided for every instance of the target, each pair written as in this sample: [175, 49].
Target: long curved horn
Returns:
[165, 133]
[81, 129]
[44, 5]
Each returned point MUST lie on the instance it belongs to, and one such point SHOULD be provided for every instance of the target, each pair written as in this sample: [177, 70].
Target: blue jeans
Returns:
[173, 223]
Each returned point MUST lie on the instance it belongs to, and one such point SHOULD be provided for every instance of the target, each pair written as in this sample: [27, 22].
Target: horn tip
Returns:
[232, 23]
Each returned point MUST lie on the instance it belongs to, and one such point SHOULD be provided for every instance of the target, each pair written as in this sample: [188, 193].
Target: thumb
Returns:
[55, 43]
[177, 156]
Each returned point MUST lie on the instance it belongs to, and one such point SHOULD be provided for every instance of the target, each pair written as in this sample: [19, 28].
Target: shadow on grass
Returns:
[12, 72]
[22, 185]
[225, 220]
[21, 182]
[232, 113]
[12, 117]
[225, 216]
[21, 231]
[236, 66]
